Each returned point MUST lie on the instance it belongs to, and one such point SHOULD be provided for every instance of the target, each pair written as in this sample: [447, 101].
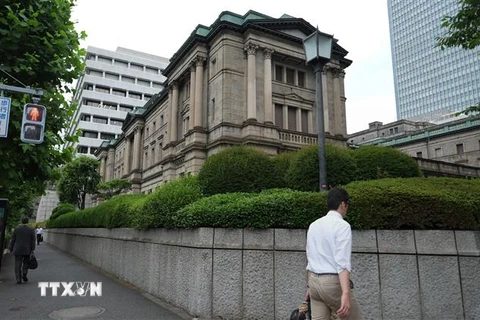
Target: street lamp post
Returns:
[318, 50]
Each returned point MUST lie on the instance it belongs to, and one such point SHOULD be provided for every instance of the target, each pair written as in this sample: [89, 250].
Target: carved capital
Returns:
[251, 48]
[138, 128]
[198, 60]
[192, 66]
[267, 53]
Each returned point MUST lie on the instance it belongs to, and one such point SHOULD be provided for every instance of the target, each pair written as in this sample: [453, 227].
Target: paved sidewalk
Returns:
[118, 301]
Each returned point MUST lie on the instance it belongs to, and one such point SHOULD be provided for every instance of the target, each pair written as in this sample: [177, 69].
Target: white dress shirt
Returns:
[329, 244]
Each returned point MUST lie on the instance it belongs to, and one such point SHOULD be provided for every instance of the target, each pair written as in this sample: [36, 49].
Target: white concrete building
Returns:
[114, 83]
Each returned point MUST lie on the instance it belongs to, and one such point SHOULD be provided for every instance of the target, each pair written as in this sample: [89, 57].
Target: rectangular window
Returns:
[135, 66]
[116, 122]
[290, 76]
[112, 76]
[85, 117]
[82, 149]
[88, 86]
[126, 108]
[151, 70]
[162, 120]
[135, 95]
[145, 83]
[121, 63]
[92, 103]
[305, 121]
[104, 60]
[279, 115]
[90, 56]
[119, 92]
[419, 154]
[95, 73]
[301, 79]
[279, 73]
[93, 150]
[128, 79]
[89, 134]
[100, 120]
[395, 129]
[107, 136]
[292, 119]
[438, 152]
[460, 148]
[102, 89]
[109, 105]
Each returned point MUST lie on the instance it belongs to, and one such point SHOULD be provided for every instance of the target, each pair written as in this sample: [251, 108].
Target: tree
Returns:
[40, 48]
[113, 187]
[463, 30]
[78, 178]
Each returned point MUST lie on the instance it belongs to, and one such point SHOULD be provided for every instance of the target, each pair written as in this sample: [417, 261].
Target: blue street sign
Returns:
[4, 116]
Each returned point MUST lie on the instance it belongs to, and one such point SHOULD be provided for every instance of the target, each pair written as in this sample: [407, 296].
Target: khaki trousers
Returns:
[325, 297]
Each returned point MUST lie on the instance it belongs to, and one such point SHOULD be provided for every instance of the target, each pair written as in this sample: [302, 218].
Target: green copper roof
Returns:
[234, 18]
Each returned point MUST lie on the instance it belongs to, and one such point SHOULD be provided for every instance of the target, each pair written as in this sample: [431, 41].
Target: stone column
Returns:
[174, 114]
[285, 117]
[298, 119]
[137, 148]
[336, 101]
[310, 122]
[326, 114]
[267, 85]
[192, 95]
[110, 163]
[251, 82]
[128, 150]
[103, 168]
[343, 99]
[198, 117]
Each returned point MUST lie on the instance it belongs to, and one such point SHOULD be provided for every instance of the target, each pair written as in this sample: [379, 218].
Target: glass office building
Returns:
[430, 84]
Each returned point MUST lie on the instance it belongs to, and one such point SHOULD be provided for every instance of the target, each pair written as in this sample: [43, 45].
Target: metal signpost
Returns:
[3, 225]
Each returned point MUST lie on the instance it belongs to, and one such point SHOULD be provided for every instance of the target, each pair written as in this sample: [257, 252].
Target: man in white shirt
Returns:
[329, 249]
[39, 232]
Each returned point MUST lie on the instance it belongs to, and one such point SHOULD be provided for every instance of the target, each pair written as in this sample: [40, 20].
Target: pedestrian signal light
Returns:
[33, 124]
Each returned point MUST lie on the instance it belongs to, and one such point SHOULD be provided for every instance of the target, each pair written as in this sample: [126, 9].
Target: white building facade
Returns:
[114, 83]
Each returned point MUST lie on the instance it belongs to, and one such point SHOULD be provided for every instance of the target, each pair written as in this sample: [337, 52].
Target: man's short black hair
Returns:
[335, 197]
[24, 220]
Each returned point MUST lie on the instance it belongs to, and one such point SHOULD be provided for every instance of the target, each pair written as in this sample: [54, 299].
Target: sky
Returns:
[160, 28]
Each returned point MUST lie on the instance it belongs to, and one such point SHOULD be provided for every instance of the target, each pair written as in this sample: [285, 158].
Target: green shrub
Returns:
[277, 208]
[114, 213]
[237, 169]
[303, 173]
[281, 164]
[159, 207]
[415, 203]
[62, 208]
[376, 162]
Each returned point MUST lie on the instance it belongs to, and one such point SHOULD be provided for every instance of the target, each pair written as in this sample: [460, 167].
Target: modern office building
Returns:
[430, 84]
[114, 83]
[241, 81]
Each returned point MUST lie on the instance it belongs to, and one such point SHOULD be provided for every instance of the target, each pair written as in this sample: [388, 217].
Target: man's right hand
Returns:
[345, 306]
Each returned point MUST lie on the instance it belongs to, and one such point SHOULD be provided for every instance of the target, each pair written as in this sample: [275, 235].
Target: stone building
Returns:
[455, 142]
[241, 81]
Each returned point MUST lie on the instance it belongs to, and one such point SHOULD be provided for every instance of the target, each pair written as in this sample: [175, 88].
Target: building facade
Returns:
[430, 84]
[114, 83]
[455, 142]
[241, 81]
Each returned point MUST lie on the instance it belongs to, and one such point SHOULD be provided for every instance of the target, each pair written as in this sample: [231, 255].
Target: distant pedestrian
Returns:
[39, 232]
[22, 245]
[329, 249]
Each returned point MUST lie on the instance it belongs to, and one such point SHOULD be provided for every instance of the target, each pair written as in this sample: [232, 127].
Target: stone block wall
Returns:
[260, 274]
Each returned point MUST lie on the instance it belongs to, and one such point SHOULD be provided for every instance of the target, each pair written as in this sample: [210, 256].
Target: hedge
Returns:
[303, 173]
[400, 203]
[375, 162]
[278, 208]
[114, 213]
[62, 208]
[158, 208]
[237, 169]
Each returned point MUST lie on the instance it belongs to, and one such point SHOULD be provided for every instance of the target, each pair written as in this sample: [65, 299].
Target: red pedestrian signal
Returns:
[33, 124]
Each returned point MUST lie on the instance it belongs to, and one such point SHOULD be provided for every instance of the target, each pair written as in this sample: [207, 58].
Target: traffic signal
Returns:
[33, 124]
